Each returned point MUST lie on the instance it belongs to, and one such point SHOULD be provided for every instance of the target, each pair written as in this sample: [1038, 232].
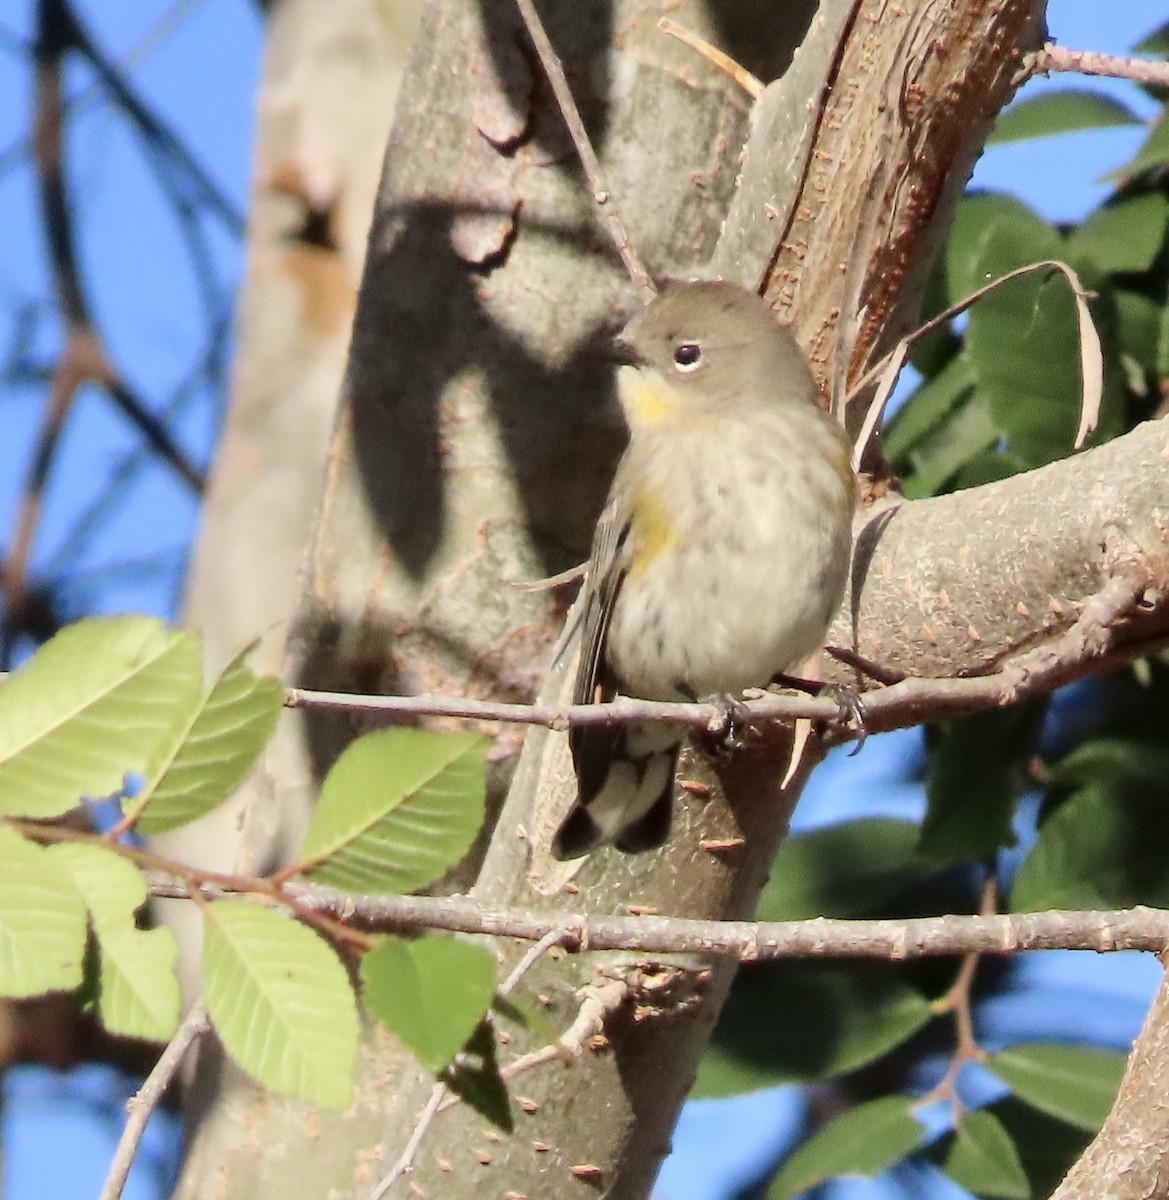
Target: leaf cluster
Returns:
[114, 713]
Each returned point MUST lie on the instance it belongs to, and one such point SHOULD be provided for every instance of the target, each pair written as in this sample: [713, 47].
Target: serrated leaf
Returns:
[399, 808]
[1125, 235]
[280, 1001]
[789, 1022]
[847, 870]
[983, 1159]
[227, 731]
[42, 922]
[139, 991]
[139, 995]
[430, 994]
[1067, 110]
[1075, 1084]
[103, 697]
[864, 1141]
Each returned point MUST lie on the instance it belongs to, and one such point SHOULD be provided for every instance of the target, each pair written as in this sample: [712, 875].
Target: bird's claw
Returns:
[725, 729]
[851, 712]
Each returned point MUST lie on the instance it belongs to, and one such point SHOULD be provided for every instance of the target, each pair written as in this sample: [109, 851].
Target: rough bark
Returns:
[473, 446]
[1126, 1160]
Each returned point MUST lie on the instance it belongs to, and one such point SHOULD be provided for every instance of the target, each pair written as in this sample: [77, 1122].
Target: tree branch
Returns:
[1087, 62]
[147, 1098]
[747, 941]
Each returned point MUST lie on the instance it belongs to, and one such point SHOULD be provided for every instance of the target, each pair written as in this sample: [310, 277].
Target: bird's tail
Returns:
[626, 779]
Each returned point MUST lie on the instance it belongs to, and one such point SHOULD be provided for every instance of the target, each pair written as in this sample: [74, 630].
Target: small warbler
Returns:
[722, 552]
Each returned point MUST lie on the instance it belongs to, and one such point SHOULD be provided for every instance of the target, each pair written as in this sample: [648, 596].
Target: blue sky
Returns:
[200, 74]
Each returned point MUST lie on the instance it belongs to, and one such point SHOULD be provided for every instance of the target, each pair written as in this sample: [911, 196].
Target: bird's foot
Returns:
[724, 732]
[851, 712]
[848, 701]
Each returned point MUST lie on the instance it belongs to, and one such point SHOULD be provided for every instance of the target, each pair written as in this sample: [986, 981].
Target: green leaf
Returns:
[1133, 762]
[430, 994]
[1106, 846]
[1152, 156]
[983, 1159]
[104, 697]
[1034, 399]
[978, 769]
[227, 731]
[1125, 235]
[139, 989]
[1072, 1083]
[789, 1022]
[927, 408]
[847, 870]
[280, 1001]
[863, 1142]
[1154, 44]
[948, 447]
[1065, 111]
[1046, 1146]
[139, 992]
[42, 922]
[399, 808]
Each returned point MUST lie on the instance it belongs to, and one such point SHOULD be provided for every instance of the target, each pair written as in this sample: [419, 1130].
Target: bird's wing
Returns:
[606, 574]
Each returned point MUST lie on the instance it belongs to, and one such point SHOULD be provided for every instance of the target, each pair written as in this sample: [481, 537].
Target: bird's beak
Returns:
[621, 353]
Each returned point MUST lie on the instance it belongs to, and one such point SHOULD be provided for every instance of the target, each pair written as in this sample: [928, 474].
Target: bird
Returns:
[721, 554]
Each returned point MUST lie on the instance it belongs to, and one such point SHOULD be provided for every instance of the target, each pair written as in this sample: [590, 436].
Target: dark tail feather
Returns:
[626, 778]
[651, 829]
[576, 836]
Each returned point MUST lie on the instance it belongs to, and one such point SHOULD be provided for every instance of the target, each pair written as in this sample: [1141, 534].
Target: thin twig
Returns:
[1087, 646]
[597, 1000]
[588, 158]
[406, 1159]
[713, 55]
[959, 1001]
[146, 1099]
[554, 937]
[436, 1104]
[748, 941]
[1088, 62]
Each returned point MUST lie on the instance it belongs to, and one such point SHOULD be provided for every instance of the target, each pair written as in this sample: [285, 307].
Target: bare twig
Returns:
[1088, 62]
[959, 1001]
[588, 158]
[597, 1000]
[146, 1099]
[406, 1158]
[713, 55]
[748, 941]
[440, 1100]
[1087, 646]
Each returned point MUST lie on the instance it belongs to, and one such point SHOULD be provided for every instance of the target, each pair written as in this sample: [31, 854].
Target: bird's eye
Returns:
[687, 356]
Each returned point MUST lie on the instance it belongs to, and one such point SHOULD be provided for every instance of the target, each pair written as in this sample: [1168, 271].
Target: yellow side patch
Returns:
[645, 396]
[652, 530]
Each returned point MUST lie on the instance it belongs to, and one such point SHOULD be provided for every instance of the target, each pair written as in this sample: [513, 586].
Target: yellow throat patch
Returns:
[646, 398]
